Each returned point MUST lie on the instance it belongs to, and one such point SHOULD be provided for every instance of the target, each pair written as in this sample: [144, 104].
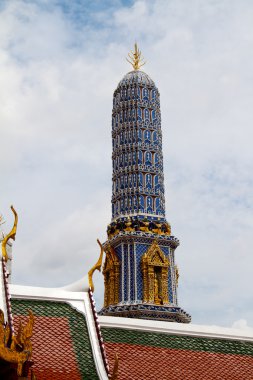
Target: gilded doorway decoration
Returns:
[155, 266]
[111, 277]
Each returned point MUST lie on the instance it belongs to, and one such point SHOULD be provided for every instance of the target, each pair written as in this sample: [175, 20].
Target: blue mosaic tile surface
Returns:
[138, 203]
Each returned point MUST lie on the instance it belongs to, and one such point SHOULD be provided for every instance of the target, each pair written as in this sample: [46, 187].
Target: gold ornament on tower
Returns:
[111, 277]
[136, 59]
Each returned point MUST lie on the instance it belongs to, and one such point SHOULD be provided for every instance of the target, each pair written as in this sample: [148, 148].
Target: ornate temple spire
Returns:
[140, 273]
[138, 184]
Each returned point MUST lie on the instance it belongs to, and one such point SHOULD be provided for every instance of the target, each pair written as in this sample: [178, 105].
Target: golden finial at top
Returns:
[135, 58]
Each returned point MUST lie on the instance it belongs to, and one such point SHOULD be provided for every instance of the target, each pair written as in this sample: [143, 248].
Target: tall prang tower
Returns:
[140, 274]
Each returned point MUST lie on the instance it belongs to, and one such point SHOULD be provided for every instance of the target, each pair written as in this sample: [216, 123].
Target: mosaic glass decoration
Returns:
[139, 237]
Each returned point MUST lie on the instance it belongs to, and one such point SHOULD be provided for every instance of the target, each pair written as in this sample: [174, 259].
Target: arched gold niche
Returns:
[155, 266]
[111, 277]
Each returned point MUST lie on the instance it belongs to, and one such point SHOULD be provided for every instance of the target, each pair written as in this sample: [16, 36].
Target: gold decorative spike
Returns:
[20, 349]
[114, 375]
[135, 58]
[97, 266]
[11, 235]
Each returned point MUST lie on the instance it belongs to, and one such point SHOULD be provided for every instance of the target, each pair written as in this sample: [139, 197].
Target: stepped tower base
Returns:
[148, 311]
[140, 274]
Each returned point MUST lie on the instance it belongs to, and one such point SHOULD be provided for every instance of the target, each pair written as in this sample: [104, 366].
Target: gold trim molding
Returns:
[130, 225]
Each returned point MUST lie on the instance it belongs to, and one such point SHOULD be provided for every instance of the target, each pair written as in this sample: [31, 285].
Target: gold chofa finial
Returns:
[97, 266]
[135, 58]
[11, 235]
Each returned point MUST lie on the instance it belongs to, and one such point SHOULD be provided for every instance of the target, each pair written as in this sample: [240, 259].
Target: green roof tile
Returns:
[77, 327]
[116, 335]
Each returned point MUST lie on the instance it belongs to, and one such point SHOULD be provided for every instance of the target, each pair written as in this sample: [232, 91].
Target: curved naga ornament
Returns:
[11, 235]
[16, 349]
[97, 266]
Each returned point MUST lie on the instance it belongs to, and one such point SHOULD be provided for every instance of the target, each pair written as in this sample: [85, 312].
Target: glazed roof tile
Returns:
[147, 351]
[61, 344]
[151, 355]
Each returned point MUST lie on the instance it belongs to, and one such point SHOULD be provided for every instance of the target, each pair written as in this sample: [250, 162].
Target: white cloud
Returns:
[242, 324]
[57, 76]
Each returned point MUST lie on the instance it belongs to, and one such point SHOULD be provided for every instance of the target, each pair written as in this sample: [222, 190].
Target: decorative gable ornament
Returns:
[16, 349]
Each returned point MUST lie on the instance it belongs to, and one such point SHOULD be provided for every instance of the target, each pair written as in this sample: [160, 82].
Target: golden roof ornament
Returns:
[16, 349]
[1, 220]
[11, 235]
[136, 59]
[97, 266]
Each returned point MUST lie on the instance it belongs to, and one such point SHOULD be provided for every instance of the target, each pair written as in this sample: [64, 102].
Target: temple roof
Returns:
[66, 341]
[61, 344]
[164, 350]
[136, 76]
[65, 344]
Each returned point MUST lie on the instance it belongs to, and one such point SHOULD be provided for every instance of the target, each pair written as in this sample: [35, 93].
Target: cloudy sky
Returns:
[60, 61]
